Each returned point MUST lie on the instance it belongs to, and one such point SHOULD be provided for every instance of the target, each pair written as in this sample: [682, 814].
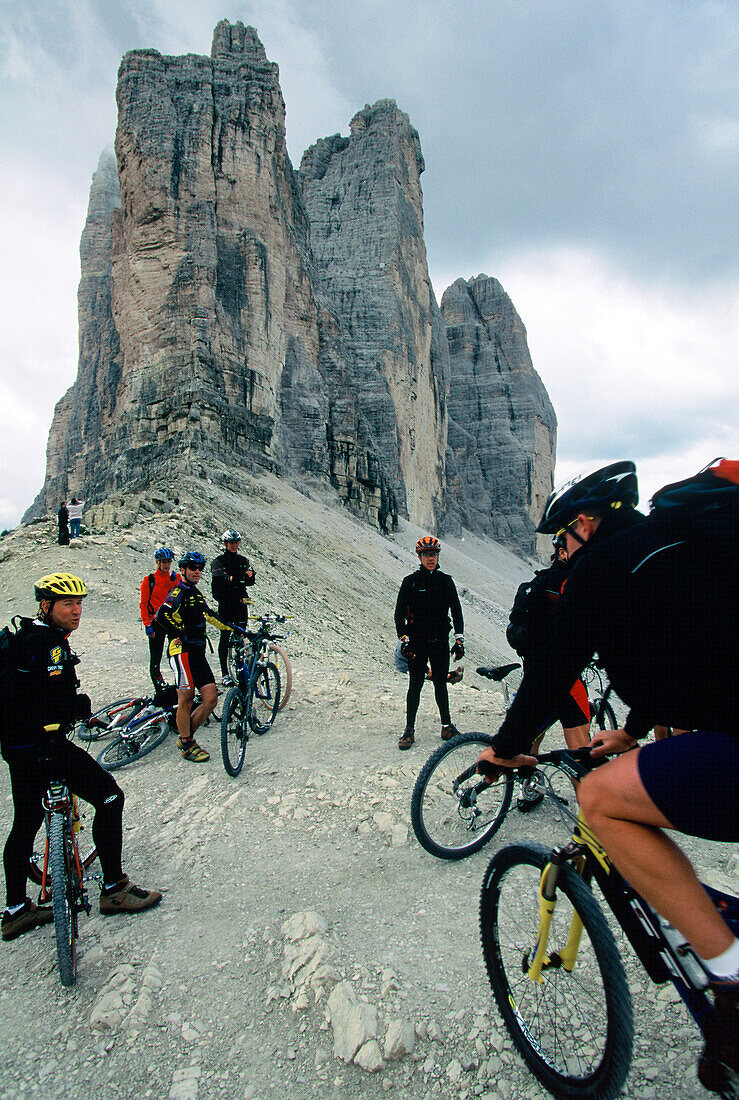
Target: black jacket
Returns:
[425, 601]
[40, 687]
[661, 610]
[229, 584]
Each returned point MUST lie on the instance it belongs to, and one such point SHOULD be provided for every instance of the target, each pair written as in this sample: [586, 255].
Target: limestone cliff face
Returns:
[365, 208]
[233, 309]
[502, 427]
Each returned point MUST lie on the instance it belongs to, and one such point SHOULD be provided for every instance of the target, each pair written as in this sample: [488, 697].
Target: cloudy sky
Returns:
[584, 152]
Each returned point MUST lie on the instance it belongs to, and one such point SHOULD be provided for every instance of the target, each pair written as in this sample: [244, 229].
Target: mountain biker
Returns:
[425, 601]
[183, 616]
[231, 576]
[661, 607]
[155, 588]
[40, 705]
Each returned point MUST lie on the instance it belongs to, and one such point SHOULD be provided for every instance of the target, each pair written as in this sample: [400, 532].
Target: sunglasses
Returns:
[563, 530]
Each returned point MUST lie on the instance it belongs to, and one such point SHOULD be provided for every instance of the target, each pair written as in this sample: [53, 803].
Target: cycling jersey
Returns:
[425, 601]
[154, 590]
[661, 611]
[184, 614]
[42, 689]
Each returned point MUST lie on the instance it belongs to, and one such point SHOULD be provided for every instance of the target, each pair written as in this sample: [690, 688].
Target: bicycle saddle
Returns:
[498, 673]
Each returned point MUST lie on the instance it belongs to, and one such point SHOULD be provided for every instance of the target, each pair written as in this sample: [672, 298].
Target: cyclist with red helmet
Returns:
[40, 704]
[183, 616]
[425, 601]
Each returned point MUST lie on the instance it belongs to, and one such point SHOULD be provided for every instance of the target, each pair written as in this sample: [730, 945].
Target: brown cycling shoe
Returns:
[449, 731]
[127, 898]
[30, 916]
[406, 740]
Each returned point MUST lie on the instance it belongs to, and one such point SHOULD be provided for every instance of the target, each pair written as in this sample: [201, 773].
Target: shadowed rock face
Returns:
[502, 427]
[231, 308]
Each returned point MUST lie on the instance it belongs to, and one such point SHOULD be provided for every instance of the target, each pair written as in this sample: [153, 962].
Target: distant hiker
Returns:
[75, 516]
[231, 576]
[154, 590]
[425, 602]
[63, 517]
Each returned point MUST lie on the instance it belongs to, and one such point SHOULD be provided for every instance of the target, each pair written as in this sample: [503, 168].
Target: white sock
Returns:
[725, 965]
[13, 909]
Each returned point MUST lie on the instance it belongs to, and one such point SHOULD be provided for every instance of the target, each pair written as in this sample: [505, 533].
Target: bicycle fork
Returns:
[566, 957]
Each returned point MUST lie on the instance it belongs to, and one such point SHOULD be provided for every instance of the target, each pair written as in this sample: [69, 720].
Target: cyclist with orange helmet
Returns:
[40, 704]
[425, 601]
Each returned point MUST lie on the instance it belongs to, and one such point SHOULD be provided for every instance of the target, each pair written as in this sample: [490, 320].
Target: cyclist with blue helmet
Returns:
[183, 616]
[154, 590]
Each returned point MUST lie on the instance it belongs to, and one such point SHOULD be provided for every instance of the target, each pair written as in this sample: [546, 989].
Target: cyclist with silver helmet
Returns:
[40, 704]
[425, 601]
[231, 576]
[154, 590]
[659, 601]
[183, 616]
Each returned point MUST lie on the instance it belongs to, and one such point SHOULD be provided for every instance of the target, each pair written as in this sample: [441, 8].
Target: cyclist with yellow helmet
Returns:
[425, 601]
[40, 704]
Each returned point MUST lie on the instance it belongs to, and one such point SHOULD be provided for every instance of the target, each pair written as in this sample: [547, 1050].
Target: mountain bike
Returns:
[552, 961]
[454, 810]
[254, 700]
[110, 718]
[277, 655]
[64, 874]
[142, 730]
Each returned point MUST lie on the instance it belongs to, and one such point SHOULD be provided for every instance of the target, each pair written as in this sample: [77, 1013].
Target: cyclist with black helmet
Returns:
[40, 704]
[659, 601]
[183, 616]
[231, 576]
[425, 601]
[154, 590]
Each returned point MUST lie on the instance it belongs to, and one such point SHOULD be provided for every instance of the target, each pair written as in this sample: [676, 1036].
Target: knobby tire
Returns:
[63, 897]
[234, 732]
[280, 658]
[124, 708]
[453, 824]
[265, 698]
[605, 717]
[137, 743]
[575, 1029]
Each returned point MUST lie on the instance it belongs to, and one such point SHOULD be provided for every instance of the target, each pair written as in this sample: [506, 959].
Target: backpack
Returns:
[8, 652]
[529, 620]
[712, 492]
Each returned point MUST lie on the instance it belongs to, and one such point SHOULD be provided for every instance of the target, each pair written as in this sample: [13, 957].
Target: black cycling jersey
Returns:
[42, 687]
[661, 610]
[425, 601]
[229, 584]
[184, 614]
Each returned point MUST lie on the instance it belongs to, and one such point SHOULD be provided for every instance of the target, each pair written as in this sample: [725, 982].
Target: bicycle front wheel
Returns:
[454, 811]
[605, 717]
[62, 872]
[265, 699]
[574, 1028]
[135, 743]
[234, 732]
[278, 657]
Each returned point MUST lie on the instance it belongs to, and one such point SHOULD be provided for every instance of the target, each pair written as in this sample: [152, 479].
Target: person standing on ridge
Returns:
[231, 576]
[74, 508]
[155, 588]
[425, 601]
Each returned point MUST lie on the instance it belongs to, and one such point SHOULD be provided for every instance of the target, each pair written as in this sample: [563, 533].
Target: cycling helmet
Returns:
[613, 486]
[428, 545]
[192, 558]
[163, 554]
[59, 586]
[231, 536]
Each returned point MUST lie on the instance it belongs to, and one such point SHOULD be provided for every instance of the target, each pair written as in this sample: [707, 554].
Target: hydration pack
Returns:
[529, 620]
[8, 663]
[712, 492]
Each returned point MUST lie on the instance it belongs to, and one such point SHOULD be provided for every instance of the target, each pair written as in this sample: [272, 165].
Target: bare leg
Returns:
[209, 694]
[628, 824]
[185, 697]
[577, 737]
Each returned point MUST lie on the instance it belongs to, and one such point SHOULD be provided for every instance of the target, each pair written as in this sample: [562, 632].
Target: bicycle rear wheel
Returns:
[454, 812]
[280, 658]
[63, 899]
[605, 718]
[108, 719]
[234, 732]
[135, 743]
[574, 1029]
[265, 699]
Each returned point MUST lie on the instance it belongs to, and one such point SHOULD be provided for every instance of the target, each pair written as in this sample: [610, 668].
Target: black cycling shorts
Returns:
[190, 668]
[691, 779]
